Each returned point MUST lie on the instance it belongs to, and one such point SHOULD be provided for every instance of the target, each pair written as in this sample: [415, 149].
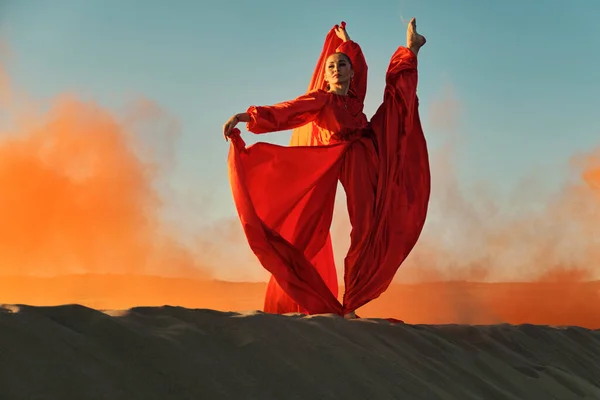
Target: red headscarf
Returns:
[332, 42]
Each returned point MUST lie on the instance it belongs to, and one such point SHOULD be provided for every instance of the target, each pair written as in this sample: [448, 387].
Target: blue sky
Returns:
[525, 75]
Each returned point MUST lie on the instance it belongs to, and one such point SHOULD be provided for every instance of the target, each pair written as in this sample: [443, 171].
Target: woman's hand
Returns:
[232, 122]
[229, 125]
[340, 31]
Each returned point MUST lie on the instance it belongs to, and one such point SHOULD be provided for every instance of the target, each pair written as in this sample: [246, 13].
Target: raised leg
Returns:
[388, 215]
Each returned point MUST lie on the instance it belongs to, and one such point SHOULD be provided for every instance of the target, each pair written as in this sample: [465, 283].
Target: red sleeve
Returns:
[287, 115]
[359, 64]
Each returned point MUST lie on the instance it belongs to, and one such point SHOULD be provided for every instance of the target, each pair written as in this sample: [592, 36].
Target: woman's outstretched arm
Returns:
[279, 117]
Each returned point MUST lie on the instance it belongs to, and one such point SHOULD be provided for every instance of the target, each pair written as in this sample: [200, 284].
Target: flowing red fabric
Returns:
[285, 195]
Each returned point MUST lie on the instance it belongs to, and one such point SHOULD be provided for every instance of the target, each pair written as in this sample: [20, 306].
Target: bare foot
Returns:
[414, 41]
[350, 315]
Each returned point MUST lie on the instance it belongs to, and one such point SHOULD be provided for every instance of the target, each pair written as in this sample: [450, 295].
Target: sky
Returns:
[512, 87]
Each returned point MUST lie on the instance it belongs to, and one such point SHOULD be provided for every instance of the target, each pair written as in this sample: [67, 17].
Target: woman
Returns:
[285, 195]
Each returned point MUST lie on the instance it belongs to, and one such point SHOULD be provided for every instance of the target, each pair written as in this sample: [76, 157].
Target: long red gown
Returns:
[285, 195]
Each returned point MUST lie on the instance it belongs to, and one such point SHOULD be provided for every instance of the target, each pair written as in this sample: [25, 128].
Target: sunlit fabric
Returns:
[285, 195]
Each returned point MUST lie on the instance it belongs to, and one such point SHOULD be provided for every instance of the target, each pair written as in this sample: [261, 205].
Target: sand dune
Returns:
[545, 303]
[74, 352]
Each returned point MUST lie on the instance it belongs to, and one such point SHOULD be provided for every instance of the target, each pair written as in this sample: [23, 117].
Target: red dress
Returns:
[285, 195]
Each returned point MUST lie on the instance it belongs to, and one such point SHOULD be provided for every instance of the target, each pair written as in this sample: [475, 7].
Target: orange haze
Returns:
[78, 190]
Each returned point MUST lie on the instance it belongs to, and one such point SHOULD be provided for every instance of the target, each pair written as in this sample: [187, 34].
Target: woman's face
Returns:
[338, 69]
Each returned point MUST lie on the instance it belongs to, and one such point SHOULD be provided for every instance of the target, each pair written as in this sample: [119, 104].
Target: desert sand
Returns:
[74, 352]
[461, 341]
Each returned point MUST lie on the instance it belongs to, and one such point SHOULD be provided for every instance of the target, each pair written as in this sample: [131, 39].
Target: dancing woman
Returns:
[285, 194]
